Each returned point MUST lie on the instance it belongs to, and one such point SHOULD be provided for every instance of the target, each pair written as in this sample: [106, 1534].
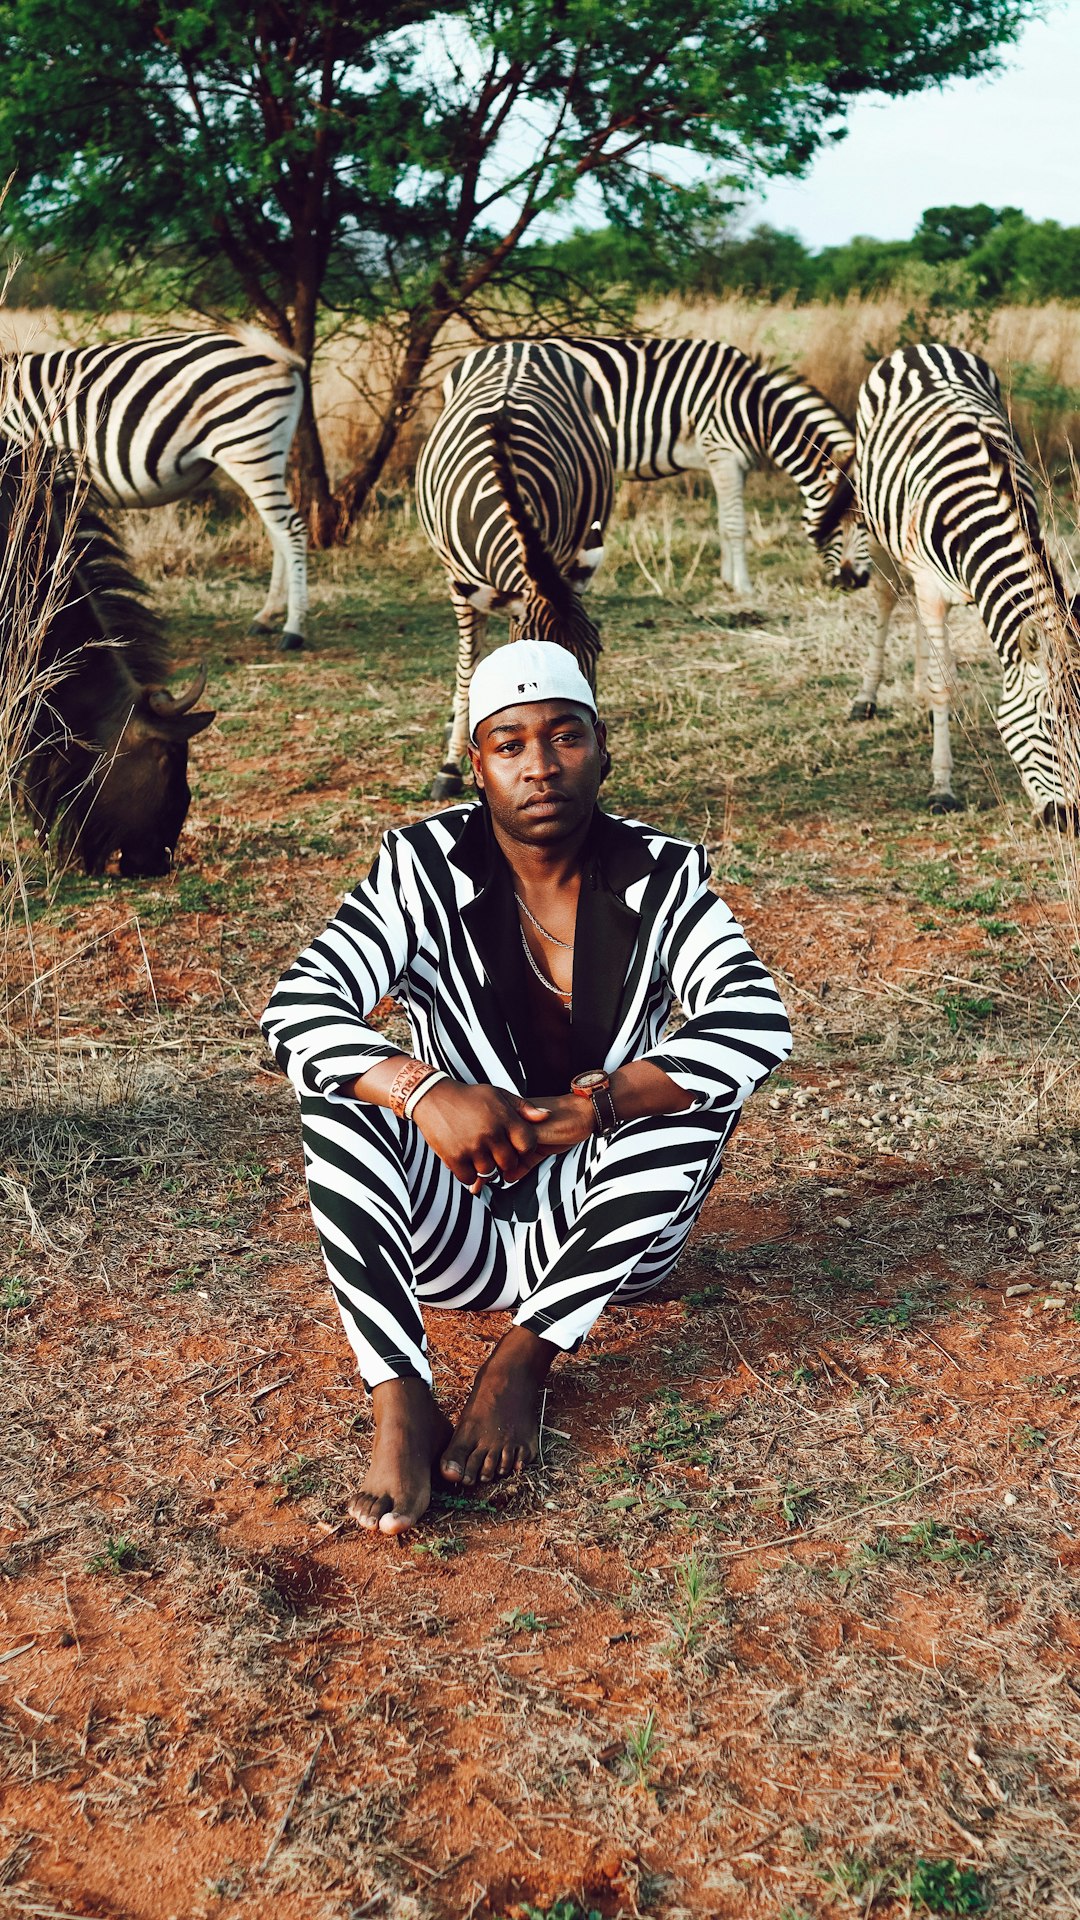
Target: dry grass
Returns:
[1036, 351]
[790, 1609]
[34, 580]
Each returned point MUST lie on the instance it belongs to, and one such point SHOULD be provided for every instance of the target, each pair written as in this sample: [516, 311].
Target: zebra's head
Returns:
[566, 624]
[838, 531]
[1039, 714]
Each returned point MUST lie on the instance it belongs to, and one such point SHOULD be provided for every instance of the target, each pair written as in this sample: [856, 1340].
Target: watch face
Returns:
[588, 1082]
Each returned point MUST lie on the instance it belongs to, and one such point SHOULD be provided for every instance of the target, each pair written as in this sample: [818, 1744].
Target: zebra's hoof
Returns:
[290, 642]
[446, 784]
[945, 803]
[1059, 814]
[863, 710]
[257, 631]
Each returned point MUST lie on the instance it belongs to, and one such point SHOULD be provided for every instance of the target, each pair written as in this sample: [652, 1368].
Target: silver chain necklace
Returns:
[544, 981]
[566, 945]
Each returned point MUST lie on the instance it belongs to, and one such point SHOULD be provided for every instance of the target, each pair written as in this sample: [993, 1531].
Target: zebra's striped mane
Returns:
[539, 564]
[841, 503]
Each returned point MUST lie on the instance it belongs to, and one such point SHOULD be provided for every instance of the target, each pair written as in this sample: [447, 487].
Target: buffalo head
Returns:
[136, 796]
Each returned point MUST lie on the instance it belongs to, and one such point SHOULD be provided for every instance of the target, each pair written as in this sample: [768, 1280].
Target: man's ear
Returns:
[474, 759]
[600, 731]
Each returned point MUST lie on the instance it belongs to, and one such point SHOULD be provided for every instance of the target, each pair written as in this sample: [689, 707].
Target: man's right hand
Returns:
[476, 1129]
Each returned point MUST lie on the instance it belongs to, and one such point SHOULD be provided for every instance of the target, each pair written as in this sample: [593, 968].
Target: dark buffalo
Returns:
[101, 745]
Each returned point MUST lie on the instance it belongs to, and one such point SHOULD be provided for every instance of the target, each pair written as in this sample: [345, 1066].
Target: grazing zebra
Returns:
[675, 405]
[513, 489]
[152, 417]
[947, 495]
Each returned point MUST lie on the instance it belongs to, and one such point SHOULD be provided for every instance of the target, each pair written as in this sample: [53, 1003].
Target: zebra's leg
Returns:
[288, 539]
[728, 475]
[933, 612]
[886, 594]
[920, 688]
[275, 598]
[472, 624]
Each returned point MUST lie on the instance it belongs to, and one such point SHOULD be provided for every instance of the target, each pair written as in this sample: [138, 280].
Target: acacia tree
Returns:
[296, 158]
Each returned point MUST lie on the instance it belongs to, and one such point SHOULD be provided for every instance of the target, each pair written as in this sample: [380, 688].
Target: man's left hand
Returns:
[570, 1121]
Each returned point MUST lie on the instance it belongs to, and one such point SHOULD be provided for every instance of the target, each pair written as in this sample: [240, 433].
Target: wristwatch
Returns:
[595, 1085]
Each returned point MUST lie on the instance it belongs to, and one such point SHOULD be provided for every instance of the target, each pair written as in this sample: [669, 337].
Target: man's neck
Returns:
[544, 866]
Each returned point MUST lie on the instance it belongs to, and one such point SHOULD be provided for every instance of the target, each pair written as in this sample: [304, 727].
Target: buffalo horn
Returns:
[161, 701]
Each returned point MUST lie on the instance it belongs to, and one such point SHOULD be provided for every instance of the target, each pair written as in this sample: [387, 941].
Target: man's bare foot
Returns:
[499, 1430]
[411, 1431]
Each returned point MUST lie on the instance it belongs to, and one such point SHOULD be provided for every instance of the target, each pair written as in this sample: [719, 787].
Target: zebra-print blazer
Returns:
[434, 926]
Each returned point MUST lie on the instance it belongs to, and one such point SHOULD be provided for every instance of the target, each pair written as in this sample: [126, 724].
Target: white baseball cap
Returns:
[522, 671]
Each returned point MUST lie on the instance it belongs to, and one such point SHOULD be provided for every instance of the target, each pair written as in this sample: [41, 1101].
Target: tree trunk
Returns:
[317, 503]
[356, 488]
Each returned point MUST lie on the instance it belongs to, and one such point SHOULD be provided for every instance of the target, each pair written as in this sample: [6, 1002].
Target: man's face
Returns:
[539, 767]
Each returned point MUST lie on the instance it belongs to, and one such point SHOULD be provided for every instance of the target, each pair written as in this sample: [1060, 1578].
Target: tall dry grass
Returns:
[1035, 350]
[34, 578]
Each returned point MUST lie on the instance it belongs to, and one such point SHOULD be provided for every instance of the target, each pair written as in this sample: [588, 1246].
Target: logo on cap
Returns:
[523, 684]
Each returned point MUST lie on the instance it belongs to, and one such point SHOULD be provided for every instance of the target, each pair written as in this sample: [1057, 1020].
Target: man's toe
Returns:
[367, 1508]
[398, 1520]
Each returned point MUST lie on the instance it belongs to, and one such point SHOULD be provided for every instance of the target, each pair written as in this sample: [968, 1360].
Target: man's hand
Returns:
[476, 1129]
[569, 1121]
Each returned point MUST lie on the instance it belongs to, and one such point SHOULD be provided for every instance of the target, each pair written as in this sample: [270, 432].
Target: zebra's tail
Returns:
[260, 341]
[539, 564]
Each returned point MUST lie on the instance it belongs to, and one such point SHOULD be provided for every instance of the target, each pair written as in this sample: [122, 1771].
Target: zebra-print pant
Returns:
[399, 1232]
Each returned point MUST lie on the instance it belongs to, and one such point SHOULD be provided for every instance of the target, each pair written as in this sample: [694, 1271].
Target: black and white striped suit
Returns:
[435, 926]
[674, 406]
[514, 489]
[948, 496]
[152, 417]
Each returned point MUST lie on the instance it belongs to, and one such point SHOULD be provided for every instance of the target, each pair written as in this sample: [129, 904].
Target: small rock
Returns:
[842, 1220]
[1017, 1292]
[1010, 1499]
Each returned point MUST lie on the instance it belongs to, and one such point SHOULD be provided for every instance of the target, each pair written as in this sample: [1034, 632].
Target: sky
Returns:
[1010, 140]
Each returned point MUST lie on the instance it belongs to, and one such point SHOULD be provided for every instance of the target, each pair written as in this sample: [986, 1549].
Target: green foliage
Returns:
[120, 1554]
[679, 1432]
[565, 1909]
[282, 161]
[943, 1887]
[643, 1747]
[524, 1620]
[697, 1596]
[446, 1547]
[296, 1479]
[965, 1009]
[392, 162]
[14, 1294]
[959, 264]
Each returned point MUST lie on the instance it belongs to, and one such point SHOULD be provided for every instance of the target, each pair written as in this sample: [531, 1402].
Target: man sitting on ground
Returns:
[548, 1148]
